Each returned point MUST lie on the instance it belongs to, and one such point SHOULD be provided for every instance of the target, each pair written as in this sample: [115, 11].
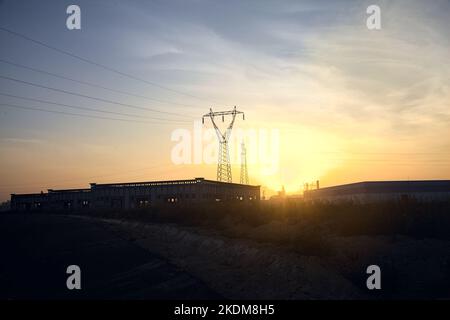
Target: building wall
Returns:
[373, 191]
[29, 202]
[69, 199]
[135, 195]
[383, 197]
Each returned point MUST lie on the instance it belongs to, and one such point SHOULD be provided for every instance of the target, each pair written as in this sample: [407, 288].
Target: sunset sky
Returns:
[349, 103]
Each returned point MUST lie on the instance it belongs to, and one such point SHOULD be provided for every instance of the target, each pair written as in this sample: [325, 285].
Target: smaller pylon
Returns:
[244, 172]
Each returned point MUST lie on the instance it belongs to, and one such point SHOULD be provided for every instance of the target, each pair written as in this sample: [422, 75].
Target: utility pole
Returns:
[244, 172]
[223, 165]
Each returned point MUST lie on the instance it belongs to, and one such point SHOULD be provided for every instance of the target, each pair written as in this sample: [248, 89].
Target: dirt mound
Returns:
[240, 269]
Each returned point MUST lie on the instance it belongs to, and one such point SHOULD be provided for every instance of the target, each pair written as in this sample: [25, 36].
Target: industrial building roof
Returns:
[137, 184]
[386, 187]
[164, 183]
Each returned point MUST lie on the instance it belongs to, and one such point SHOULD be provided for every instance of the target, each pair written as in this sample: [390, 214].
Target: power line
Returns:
[59, 182]
[90, 97]
[72, 106]
[74, 114]
[393, 160]
[99, 64]
[89, 178]
[92, 84]
[385, 153]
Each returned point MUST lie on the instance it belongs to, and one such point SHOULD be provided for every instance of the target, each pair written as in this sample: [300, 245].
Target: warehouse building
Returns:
[378, 191]
[135, 195]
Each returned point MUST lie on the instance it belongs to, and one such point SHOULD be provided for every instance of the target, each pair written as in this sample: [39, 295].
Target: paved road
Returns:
[36, 250]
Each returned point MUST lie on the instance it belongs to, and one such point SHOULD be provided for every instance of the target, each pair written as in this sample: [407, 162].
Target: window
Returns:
[172, 200]
[142, 203]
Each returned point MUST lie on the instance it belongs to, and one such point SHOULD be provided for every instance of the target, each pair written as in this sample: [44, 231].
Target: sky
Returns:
[324, 97]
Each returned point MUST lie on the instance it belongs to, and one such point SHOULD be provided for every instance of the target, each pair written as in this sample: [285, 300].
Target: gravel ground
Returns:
[243, 269]
[36, 250]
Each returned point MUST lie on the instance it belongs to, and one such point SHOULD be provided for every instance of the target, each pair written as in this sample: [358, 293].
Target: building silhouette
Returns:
[378, 191]
[131, 195]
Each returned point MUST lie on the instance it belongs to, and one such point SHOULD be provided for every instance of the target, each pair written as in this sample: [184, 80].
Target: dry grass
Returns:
[303, 227]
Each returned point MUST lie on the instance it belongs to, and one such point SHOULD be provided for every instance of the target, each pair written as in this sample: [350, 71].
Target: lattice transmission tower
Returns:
[244, 172]
[223, 165]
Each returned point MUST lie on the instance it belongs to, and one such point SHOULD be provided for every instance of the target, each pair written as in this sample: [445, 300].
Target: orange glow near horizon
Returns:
[305, 155]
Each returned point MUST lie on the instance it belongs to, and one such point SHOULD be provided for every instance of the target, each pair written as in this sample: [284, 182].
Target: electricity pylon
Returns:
[223, 165]
[244, 172]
